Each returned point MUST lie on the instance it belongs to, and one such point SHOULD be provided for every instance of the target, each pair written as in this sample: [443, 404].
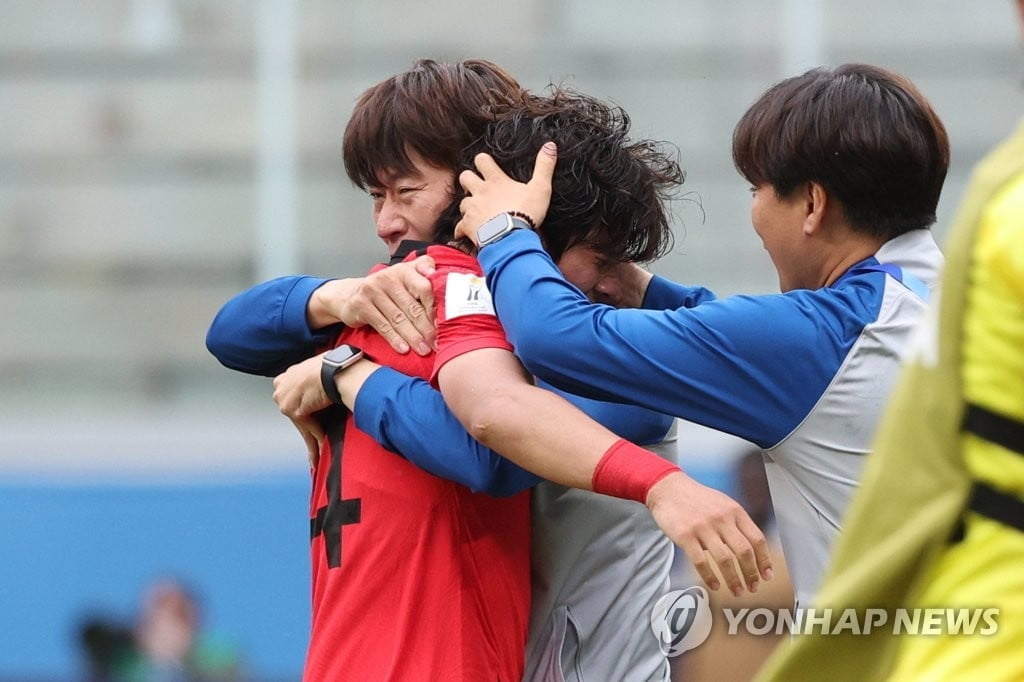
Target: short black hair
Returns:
[866, 134]
[433, 109]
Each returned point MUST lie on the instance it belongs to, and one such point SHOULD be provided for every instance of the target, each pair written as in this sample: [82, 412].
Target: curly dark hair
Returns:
[608, 191]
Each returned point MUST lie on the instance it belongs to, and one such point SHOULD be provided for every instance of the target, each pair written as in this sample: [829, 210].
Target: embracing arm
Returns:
[266, 329]
[722, 363]
[405, 415]
[628, 285]
[488, 391]
[664, 294]
[409, 416]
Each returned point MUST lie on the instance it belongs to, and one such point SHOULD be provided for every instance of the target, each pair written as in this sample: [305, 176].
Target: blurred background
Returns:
[157, 156]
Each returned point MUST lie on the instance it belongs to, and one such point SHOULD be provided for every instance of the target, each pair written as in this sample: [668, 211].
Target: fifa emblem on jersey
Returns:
[681, 620]
[466, 294]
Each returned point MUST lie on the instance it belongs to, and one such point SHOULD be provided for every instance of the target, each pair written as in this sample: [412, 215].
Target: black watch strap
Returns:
[334, 361]
[327, 373]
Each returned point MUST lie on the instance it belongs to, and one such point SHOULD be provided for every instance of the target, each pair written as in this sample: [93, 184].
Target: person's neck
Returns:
[855, 248]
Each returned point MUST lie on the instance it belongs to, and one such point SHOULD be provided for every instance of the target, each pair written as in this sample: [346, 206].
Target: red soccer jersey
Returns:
[414, 577]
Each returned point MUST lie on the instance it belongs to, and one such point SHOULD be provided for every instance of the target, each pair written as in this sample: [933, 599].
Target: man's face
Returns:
[408, 206]
[778, 222]
[585, 267]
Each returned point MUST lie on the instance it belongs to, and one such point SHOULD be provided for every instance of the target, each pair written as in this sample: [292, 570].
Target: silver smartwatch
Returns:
[499, 227]
[334, 361]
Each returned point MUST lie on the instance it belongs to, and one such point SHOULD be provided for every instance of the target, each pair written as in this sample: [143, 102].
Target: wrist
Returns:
[351, 381]
[499, 227]
[335, 362]
[664, 488]
[326, 301]
[630, 472]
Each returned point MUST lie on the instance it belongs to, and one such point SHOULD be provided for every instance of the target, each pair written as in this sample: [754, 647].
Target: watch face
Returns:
[343, 353]
[494, 228]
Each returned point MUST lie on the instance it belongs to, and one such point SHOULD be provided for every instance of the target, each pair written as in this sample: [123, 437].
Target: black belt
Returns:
[1009, 433]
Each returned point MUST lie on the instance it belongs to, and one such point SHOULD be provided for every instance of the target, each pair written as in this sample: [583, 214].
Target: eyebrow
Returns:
[390, 177]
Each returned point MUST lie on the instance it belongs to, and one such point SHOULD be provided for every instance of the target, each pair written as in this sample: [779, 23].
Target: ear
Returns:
[817, 201]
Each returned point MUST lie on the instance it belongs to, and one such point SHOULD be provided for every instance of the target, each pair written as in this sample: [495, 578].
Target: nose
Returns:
[389, 222]
[606, 290]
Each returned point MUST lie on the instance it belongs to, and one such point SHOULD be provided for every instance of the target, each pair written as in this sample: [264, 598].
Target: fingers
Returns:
[699, 558]
[544, 166]
[737, 545]
[404, 322]
[399, 304]
[488, 167]
[470, 181]
[723, 556]
[726, 549]
[762, 554]
[386, 318]
[491, 192]
[713, 530]
[425, 266]
[312, 435]
[739, 542]
[298, 391]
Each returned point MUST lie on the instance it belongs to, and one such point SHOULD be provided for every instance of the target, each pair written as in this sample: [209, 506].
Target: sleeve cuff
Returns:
[519, 240]
[293, 311]
[664, 294]
[372, 400]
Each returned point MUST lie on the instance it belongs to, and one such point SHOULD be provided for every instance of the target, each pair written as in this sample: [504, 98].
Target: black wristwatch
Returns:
[499, 227]
[334, 361]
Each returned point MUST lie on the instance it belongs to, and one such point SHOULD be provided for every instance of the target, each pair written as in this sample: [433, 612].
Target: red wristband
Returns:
[629, 471]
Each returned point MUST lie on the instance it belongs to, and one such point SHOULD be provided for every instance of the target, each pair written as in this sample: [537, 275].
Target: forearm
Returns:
[263, 330]
[722, 369]
[540, 432]
[664, 294]
[408, 416]
[537, 429]
[322, 307]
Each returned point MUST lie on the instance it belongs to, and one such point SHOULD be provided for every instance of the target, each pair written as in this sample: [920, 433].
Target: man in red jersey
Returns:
[415, 577]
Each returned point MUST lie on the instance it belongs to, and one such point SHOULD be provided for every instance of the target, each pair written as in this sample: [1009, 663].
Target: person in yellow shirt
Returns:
[939, 520]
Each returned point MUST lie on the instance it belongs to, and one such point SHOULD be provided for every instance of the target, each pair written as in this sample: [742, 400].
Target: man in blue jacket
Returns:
[846, 166]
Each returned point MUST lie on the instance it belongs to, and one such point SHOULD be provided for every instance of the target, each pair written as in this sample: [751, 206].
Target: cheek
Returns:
[584, 276]
[440, 198]
[755, 216]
